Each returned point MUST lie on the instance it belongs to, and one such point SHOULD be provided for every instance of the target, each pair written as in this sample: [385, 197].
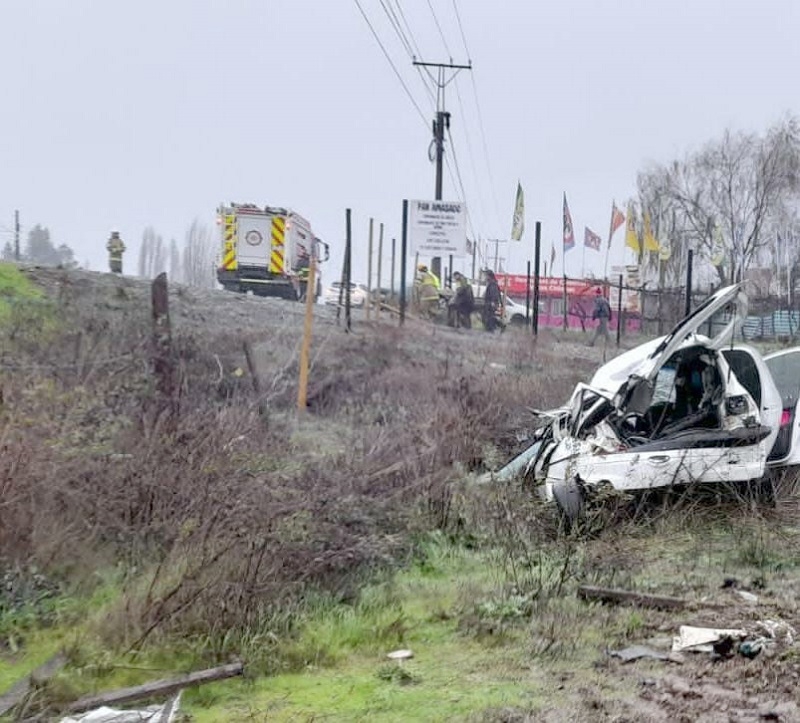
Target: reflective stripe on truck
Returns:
[229, 252]
[277, 253]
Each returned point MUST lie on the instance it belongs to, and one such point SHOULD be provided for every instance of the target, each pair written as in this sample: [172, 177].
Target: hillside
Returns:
[148, 529]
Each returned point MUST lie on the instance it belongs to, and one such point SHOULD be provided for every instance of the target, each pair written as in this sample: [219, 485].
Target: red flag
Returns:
[591, 239]
[617, 219]
[569, 234]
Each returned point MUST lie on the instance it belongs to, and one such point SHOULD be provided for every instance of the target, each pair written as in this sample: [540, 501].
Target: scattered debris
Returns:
[152, 714]
[400, 655]
[702, 640]
[158, 687]
[747, 596]
[777, 630]
[751, 648]
[604, 594]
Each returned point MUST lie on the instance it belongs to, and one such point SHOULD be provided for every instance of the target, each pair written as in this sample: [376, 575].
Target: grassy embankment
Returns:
[145, 534]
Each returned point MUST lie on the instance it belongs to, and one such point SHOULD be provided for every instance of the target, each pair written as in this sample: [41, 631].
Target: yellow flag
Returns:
[650, 241]
[631, 237]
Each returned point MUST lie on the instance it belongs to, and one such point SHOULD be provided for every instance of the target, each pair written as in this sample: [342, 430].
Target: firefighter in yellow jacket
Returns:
[115, 248]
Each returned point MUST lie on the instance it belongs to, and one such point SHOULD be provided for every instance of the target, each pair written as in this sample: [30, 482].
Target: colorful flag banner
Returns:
[569, 234]
[518, 225]
[617, 219]
[591, 239]
[631, 237]
[650, 241]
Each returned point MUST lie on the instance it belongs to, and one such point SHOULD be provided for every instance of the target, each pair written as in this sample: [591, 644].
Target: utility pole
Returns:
[16, 235]
[440, 123]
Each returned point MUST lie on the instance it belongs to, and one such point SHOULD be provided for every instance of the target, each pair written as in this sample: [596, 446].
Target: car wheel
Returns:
[517, 320]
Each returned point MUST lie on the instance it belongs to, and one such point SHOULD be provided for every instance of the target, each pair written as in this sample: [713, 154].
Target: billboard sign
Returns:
[437, 228]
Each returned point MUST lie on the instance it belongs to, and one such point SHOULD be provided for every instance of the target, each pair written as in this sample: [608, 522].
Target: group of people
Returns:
[462, 302]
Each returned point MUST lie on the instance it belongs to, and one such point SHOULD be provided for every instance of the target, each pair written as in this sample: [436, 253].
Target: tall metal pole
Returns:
[689, 260]
[347, 273]
[403, 248]
[536, 259]
[619, 311]
[394, 245]
[369, 268]
[440, 124]
[380, 259]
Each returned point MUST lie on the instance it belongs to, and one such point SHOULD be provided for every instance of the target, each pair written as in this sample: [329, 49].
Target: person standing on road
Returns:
[115, 248]
[601, 313]
[492, 301]
[463, 301]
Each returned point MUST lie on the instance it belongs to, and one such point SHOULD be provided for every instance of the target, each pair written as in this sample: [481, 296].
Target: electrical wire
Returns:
[471, 155]
[423, 71]
[460, 182]
[394, 22]
[461, 29]
[391, 62]
[480, 116]
[439, 27]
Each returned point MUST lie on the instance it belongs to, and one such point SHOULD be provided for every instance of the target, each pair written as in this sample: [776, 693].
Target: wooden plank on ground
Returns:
[156, 688]
[610, 595]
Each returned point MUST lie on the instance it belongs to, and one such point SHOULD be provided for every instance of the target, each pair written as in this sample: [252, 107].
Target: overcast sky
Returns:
[122, 114]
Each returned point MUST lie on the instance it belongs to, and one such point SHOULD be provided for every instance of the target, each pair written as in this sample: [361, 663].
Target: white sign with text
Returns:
[437, 228]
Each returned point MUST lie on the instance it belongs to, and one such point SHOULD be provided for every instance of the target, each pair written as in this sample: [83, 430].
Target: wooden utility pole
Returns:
[302, 387]
[163, 361]
[16, 236]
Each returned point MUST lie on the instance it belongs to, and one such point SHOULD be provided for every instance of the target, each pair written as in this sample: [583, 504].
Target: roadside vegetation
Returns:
[147, 530]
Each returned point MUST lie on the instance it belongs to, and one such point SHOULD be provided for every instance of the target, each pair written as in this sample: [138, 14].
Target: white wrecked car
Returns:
[685, 408]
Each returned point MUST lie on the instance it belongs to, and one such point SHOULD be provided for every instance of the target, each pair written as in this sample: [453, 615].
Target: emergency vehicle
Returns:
[266, 250]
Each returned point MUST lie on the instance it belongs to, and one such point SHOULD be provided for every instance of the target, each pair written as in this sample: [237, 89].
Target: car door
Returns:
[784, 367]
[754, 375]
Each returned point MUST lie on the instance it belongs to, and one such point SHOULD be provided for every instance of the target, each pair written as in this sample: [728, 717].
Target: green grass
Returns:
[477, 649]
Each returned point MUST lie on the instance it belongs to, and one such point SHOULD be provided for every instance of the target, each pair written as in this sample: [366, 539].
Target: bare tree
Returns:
[146, 252]
[174, 261]
[198, 256]
[722, 200]
[159, 260]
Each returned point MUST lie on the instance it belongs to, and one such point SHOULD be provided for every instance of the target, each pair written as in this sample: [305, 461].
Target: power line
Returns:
[470, 153]
[480, 115]
[408, 40]
[394, 68]
[461, 29]
[393, 21]
[460, 181]
[439, 27]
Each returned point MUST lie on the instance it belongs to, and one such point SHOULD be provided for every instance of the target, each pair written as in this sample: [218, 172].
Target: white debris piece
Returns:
[400, 655]
[701, 640]
[152, 714]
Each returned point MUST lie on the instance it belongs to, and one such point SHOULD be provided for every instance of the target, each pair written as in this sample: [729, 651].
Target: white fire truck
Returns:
[266, 250]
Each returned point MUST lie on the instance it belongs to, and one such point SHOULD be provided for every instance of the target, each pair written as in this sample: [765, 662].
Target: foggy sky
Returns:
[126, 114]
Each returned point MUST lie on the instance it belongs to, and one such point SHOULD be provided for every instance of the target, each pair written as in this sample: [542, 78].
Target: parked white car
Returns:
[682, 409]
[358, 294]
